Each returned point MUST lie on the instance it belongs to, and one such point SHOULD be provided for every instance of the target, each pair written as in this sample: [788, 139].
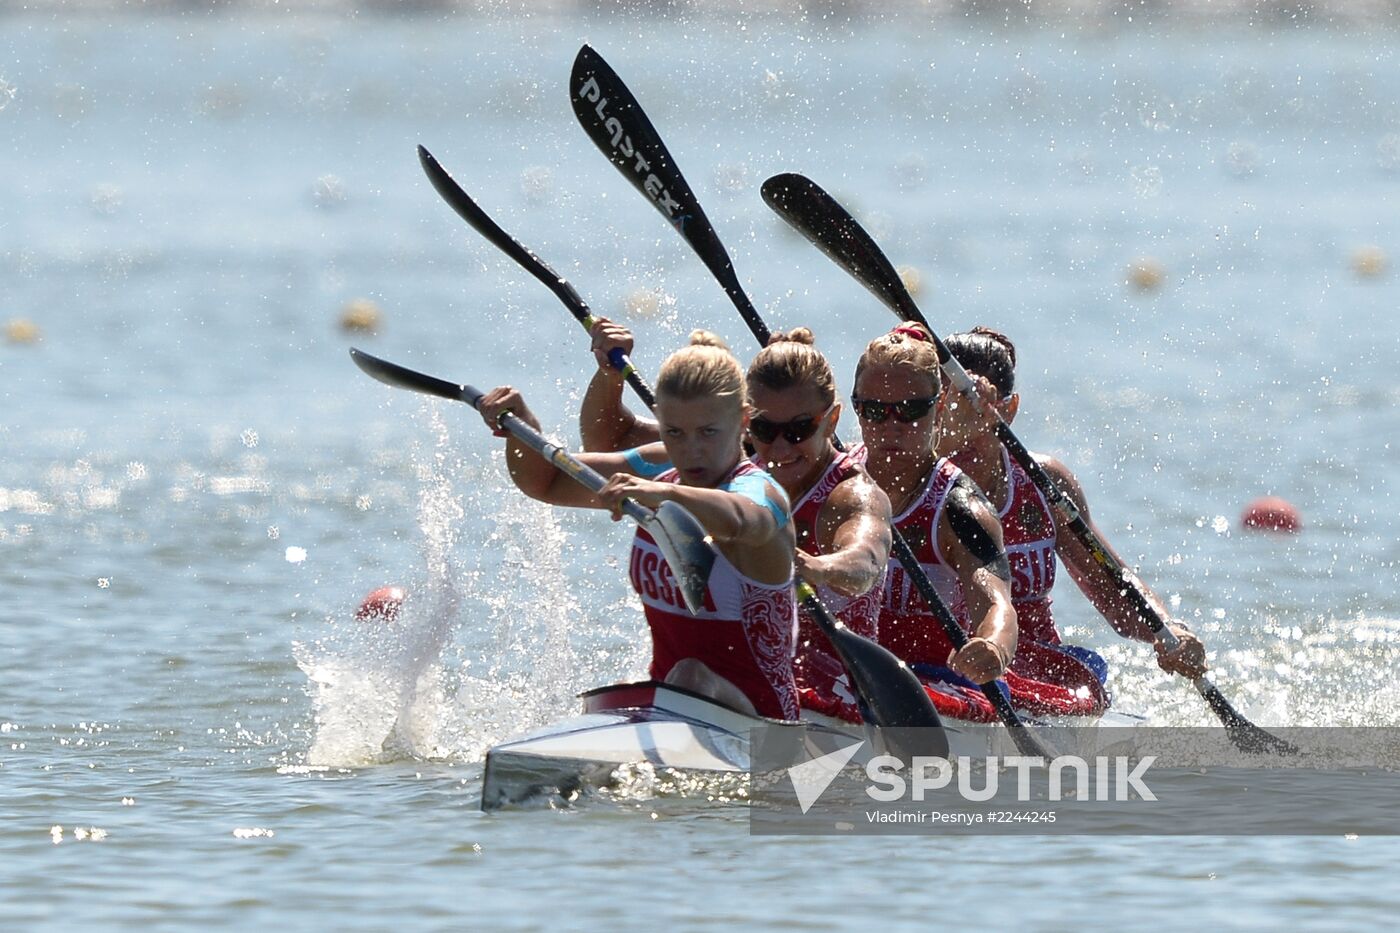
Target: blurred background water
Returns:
[1184, 220]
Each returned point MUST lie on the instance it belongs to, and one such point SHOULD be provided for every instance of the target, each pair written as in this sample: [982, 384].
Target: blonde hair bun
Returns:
[705, 338]
[791, 359]
[704, 369]
[802, 335]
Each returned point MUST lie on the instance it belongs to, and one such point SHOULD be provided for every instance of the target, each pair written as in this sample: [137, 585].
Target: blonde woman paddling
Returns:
[842, 519]
[739, 648]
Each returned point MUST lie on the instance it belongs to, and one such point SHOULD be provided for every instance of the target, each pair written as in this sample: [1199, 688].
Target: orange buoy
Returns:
[1270, 513]
[21, 330]
[381, 605]
[1368, 262]
[361, 316]
[1146, 274]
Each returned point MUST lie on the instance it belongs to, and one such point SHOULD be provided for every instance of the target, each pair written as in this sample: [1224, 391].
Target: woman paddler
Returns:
[946, 521]
[1033, 530]
[841, 517]
[739, 649]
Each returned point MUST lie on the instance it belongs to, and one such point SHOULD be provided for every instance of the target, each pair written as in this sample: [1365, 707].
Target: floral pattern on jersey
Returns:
[770, 627]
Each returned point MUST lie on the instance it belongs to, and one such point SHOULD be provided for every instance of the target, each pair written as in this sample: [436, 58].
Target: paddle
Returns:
[619, 127]
[615, 121]
[469, 211]
[680, 537]
[818, 217]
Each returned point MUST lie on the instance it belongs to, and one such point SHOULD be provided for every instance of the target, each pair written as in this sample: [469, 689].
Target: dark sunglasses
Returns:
[795, 431]
[906, 411]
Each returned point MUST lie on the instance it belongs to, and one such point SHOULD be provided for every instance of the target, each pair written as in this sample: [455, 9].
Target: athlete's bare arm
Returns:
[970, 539]
[537, 477]
[758, 542]
[605, 423]
[1104, 590]
[853, 533]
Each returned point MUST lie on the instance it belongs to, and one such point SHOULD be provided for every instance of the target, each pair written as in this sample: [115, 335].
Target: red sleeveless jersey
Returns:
[1042, 681]
[906, 625]
[1028, 528]
[745, 632]
[822, 681]
[1028, 525]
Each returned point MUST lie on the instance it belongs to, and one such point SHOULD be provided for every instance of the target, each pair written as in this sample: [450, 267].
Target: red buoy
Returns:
[381, 605]
[1270, 513]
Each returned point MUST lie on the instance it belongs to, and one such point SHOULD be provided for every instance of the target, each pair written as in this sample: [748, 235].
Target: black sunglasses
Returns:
[795, 431]
[906, 411]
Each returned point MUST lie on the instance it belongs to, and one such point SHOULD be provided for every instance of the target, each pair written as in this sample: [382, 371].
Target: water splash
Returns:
[376, 687]
[481, 648]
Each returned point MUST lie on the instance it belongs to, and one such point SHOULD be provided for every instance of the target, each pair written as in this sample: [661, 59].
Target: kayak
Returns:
[668, 727]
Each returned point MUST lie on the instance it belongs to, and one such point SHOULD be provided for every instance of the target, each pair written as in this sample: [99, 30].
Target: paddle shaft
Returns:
[393, 374]
[472, 213]
[1130, 584]
[616, 123]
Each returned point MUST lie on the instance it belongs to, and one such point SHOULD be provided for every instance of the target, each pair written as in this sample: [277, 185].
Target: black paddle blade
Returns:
[618, 126]
[1245, 735]
[481, 222]
[612, 118]
[893, 696]
[830, 227]
[687, 550]
[892, 693]
[403, 378]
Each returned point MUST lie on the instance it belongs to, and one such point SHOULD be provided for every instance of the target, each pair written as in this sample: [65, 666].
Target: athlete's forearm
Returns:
[991, 612]
[728, 517]
[1108, 594]
[850, 572]
[605, 423]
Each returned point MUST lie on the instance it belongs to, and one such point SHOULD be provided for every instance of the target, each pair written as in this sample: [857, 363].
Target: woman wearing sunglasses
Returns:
[943, 516]
[1032, 530]
[841, 517]
[739, 648]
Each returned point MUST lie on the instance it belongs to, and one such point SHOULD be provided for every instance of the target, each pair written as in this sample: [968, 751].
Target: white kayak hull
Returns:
[670, 728]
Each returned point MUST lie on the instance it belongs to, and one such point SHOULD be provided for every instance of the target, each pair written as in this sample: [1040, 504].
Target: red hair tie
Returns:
[911, 330]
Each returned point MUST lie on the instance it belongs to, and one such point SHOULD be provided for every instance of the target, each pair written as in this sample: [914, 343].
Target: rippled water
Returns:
[197, 487]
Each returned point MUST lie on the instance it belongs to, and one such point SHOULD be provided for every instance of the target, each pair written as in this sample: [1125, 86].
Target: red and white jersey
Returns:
[745, 633]
[1028, 527]
[907, 626]
[822, 681]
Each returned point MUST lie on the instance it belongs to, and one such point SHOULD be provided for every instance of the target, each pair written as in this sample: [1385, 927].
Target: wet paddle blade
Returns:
[616, 123]
[686, 548]
[482, 223]
[893, 694]
[1245, 735]
[401, 377]
[830, 228]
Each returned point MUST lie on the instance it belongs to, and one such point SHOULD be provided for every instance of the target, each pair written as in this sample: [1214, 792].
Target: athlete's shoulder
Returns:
[1050, 464]
[649, 461]
[1063, 476]
[858, 493]
[754, 481]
